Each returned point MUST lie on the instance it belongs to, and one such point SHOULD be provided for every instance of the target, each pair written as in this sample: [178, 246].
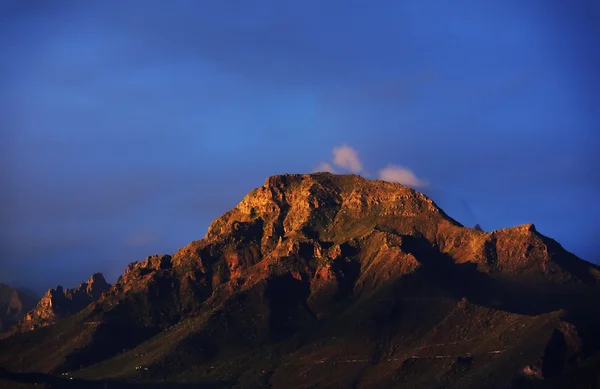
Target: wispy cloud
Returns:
[324, 167]
[401, 175]
[347, 158]
[344, 157]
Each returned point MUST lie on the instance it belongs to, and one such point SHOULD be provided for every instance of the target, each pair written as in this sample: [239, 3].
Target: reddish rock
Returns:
[59, 303]
[336, 281]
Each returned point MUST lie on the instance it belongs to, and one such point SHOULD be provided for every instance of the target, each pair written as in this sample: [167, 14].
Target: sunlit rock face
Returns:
[59, 302]
[369, 279]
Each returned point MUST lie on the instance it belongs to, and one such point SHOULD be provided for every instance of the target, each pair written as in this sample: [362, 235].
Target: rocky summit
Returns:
[59, 302]
[328, 281]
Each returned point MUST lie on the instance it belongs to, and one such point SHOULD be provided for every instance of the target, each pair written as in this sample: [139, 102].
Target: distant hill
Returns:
[59, 303]
[14, 303]
[335, 281]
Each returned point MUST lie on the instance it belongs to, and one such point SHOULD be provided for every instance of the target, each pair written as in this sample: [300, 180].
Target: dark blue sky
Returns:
[127, 126]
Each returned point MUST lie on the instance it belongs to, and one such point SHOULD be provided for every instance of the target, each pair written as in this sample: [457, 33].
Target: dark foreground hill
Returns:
[332, 281]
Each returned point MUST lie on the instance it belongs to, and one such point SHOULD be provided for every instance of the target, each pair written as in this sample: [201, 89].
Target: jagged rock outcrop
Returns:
[563, 351]
[313, 216]
[14, 303]
[368, 279]
[59, 303]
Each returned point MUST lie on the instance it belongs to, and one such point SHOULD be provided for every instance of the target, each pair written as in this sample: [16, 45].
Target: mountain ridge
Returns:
[305, 260]
[59, 302]
[14, 302]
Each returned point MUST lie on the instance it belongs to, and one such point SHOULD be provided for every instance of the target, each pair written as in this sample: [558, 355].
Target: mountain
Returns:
[333, 281]
[59, 303]
[13, 305]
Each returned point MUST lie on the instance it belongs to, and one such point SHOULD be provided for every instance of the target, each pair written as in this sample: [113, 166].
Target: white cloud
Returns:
[346, 157]
[324, 167]
[401, 175]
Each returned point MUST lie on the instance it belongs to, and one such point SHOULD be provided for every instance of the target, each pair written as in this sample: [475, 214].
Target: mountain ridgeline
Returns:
[14, 303]
[59, 303]
[333, 281]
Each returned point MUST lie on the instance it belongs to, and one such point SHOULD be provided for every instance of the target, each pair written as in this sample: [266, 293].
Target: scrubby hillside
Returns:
[335, 281]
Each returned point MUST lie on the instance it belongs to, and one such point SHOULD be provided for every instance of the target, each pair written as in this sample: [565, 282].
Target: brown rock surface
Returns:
[328, 280]
[59, 303]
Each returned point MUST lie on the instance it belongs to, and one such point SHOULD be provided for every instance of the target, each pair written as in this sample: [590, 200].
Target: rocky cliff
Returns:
[60, 302]
[328, 280]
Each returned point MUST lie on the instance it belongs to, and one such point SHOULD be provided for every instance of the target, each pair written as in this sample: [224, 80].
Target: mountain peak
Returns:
[324, 211]
[61, 302]
[334, 255]
[530, 227]
[318, 204]
[96, 278]
[527, 228]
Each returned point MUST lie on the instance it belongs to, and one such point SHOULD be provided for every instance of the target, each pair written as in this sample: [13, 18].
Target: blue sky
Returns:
[127, 126]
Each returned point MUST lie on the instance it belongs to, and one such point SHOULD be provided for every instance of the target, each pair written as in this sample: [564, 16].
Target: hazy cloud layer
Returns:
[324, 167]
[401, 175]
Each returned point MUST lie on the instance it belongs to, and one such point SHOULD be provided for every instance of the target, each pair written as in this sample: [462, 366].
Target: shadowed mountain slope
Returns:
[333, 281]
